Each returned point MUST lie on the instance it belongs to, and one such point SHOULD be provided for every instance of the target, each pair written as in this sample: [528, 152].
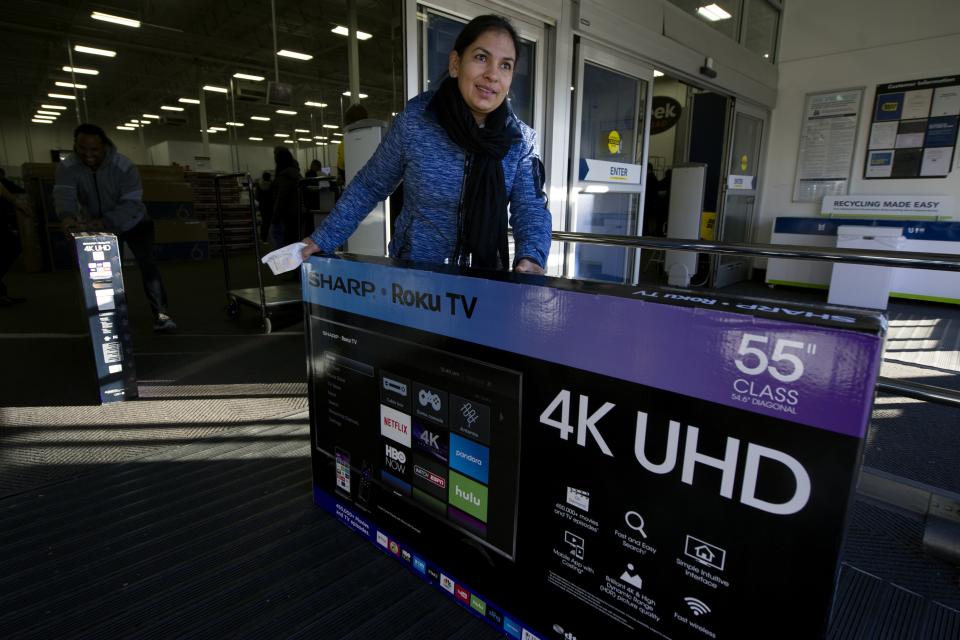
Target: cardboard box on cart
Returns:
[650, 462]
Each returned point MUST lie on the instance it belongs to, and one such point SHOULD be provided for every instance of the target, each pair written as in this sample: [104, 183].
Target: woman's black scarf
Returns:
[482, 236]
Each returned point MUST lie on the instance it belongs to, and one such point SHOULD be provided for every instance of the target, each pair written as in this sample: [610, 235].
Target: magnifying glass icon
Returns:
[635, 521]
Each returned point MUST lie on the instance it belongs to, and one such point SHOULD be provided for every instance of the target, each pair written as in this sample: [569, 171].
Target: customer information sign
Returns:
[570, 460]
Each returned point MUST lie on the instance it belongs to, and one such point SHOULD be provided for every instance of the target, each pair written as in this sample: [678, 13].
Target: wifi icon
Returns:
[698, 607]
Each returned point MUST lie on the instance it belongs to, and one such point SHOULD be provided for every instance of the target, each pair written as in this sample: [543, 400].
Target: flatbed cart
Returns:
[267, 299]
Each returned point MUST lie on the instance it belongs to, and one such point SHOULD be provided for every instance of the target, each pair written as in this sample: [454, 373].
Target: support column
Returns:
[353, 52]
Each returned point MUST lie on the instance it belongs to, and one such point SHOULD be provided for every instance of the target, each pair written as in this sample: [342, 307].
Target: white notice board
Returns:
[827, 139]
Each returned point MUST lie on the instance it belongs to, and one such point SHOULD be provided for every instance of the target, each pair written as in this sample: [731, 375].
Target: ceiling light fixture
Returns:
[255, 138]
[234, 124]
[151, 116]
[335, 141]
[337, 133]
[286, 112]
[188, 100]
[35, 121]
[247, 76]
[106, 17]
[70, 85]
[82, 71]
[124, 128]
[53, 106]
[713, 13]
[215, 89]
[260, 118]
[55, 114]
[106, 53]
[62, 96]
[304, 139]
[169, 108]
[296, 55]
[281, 135]
[50, 118]
[301, 130]
[362, 95]
[310, 103]
[343, 31]
[331, 126]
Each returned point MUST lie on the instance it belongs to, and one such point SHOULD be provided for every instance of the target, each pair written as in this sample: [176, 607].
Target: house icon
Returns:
[704, 553]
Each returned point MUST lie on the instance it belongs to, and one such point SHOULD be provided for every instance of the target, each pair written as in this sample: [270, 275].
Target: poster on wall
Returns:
[827, 139]
[505, 436]
[913, 133]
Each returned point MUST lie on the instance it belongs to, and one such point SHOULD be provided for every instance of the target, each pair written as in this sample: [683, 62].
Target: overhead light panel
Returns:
[337, 133]
[55, 114]
[169, 108]
[82, 71]
[330, 126]
[247, 76]
[335, 141]
[260, 118]
[343, 31]
[304, 139]
[321, 144]
[234, 124]
[657, 73]
[53, 106]
[288, 141]
[62, 96]
[310, 103]
[286, 112]
[188, 100]
[70, 85]
[215, 89]
[124, 128]
[296, 55]
[49, 118]
[281, 135]
[301, 130]
[713, 13]
[320, 138]
[106, 53]
[255, 139]
[362, 95]
[106, 17]
[152, 116]
[35, 121]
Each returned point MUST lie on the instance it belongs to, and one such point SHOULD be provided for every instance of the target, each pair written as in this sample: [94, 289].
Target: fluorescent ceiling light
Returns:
[320, 138]
[287, 112]
[55, 114]
[106, 53]
[131, 124]
[343, 31]
[210, 87]
[82, 71]
[304, 139]
[657, 74]
[260, 118]
[288, 142]
[321, 144]
[214, 130]
[337, 133]
[296, 55]
[234, 124]
[330, 126]
[713, 13]
[62, 96]
[281, 135]
[53, 106]
[310, 103]
[42, 121]
[151, 116]
[169, 108]
[124, 128]
[188, 100]
[106, 17]
[247, 76]
[335, 141]
[255, 138]
[48, 118]
[70, 85]
[362, 95]
[301, 130]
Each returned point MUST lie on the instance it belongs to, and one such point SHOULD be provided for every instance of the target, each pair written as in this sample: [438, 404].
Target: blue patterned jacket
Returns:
[418, 151]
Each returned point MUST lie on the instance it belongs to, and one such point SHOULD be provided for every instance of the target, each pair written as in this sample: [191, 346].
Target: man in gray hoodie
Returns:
[106, 185]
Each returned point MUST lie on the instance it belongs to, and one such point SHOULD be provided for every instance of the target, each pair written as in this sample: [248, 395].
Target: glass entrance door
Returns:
[740, 192]
[608, 161]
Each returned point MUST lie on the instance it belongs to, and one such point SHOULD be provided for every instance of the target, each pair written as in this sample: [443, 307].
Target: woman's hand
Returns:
[528, 266]
[310, 249]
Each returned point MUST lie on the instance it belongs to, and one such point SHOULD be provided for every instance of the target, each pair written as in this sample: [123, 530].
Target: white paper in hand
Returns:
[285, 258]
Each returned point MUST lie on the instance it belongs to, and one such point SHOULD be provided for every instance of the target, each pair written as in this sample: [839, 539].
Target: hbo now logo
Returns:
[396, 454]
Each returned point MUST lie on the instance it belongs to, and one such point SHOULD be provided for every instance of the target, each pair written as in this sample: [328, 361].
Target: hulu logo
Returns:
[468, 495]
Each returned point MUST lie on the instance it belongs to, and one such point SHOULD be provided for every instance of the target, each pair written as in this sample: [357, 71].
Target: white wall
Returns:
[828, 45]
[253, 158]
